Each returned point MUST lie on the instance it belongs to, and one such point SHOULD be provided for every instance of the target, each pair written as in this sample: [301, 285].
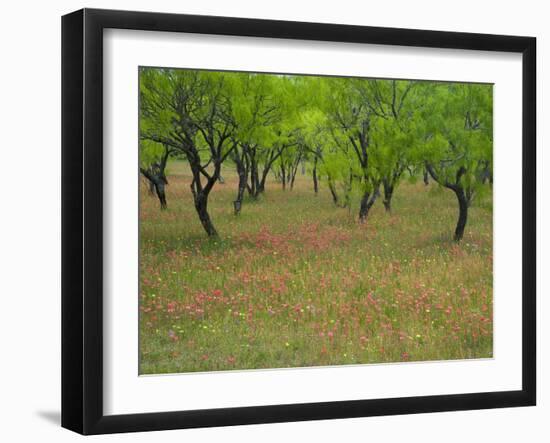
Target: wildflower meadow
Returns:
[292, 221]
[293, 282]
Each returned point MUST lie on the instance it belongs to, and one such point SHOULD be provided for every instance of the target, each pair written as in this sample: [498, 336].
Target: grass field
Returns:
[295, 281]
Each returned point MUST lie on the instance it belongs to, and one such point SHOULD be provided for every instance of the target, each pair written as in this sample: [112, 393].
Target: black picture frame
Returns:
[82, 219]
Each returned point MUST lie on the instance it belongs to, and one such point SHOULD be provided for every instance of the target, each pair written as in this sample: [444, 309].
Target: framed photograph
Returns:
[269, 221]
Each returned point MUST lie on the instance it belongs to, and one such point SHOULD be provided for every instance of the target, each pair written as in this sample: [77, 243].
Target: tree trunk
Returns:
[463, 205]
[333, 192]
[253, 189]
[367, 201]
[293, 171]
[260, 188]
[364, 208]
[464, 198]
[201, 205]
[347, 192]
[426, 180]
[388, 194]
[261, 185]
[158, 183]
[315, 181]
[159, 187]
[241, 170]
[292, 179]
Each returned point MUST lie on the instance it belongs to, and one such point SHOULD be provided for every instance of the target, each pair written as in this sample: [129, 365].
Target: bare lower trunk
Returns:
[293, 172]
[257, 185]
[426, 179]
[237, 204]
[388, 194]
[364, 208]
[201, 205]
[315, 181]
[464, 197]
[252, 189]
[157, 183]
[332, 189]
[159, 187]
[463, 205]
[349, 188]
[292, 180]
[367, 201]
[261, 185]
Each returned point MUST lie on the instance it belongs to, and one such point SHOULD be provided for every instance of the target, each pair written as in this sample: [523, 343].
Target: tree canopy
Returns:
[358, 136]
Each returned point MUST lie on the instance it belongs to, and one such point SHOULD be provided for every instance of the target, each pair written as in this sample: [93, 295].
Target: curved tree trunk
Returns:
[201, 205]
[463, 205]
[261, 185]
[332, 189]
[201, 191]
[464, 197]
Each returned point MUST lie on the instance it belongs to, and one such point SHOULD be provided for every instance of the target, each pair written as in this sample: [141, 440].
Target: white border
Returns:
[125, 392]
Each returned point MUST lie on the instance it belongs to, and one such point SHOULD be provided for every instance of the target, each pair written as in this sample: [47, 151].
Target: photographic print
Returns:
[299, 221]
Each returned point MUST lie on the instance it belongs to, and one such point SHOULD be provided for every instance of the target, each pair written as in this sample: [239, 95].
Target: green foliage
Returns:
[456, 127]
[149, 152]
[361, 135]
[409, 123]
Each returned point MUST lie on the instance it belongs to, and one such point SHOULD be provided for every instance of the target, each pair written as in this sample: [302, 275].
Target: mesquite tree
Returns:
[261, 112]
[153, 159]
[340, 170]
[357, 135]
[393, 106]
[351, 123]
[190, 111]
[458, 133]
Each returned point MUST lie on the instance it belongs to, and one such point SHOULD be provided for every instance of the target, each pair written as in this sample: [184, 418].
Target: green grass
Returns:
[294, 281]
